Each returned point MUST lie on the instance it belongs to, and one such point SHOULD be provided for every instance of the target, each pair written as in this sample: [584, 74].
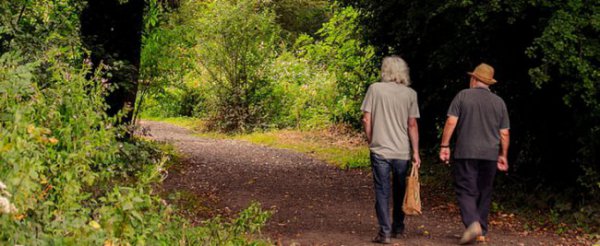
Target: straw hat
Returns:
[484, 73]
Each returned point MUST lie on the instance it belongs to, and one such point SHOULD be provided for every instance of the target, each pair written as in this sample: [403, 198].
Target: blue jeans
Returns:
[381, 179]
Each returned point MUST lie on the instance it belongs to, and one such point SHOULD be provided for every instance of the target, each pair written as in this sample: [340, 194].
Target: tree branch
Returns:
[22, 11]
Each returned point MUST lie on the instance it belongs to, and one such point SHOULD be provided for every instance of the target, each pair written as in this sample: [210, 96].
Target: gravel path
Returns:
[314, 203]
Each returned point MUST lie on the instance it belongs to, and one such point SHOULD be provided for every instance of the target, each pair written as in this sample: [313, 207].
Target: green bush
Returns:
[166, 54]
[236, 42]
[66, 178]
[303, 94]
[340, 51]
[301, 16]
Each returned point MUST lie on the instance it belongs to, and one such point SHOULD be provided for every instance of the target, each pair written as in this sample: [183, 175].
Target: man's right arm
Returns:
[446, 135]
[366, 120]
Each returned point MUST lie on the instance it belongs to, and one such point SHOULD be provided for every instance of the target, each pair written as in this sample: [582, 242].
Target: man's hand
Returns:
[502, 163]
[416, 160]
[445, 155]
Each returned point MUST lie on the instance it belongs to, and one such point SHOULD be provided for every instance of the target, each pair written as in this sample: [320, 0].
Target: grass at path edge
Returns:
[337, 149]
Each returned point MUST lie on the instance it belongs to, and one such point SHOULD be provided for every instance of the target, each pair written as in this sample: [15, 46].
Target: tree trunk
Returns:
[112, 31]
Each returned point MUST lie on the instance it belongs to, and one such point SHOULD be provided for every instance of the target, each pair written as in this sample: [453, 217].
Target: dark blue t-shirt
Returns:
[481, 114]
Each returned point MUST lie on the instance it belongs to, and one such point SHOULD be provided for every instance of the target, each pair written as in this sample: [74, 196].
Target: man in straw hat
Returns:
[482, 128]
[390, 120]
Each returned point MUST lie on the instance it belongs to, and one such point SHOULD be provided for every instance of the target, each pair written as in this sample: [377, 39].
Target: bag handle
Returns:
[414, 172]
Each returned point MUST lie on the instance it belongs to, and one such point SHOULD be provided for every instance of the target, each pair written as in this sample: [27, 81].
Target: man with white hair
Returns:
[482, 126]
[390, 113]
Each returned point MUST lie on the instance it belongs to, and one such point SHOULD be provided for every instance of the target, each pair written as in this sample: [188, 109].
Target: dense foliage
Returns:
[300, 16]
[546, 55]
[65, 177]
[340, 51]
[244, 72]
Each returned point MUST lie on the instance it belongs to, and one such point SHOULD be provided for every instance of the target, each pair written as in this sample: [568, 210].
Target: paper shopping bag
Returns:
[412, 197]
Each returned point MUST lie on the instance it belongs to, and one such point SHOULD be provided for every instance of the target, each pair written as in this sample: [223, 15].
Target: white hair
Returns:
[394, 69]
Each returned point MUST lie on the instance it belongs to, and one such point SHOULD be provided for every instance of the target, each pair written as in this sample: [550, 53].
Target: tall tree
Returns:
[112, 31]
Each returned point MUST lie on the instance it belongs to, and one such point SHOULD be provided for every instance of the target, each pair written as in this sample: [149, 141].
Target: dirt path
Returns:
[315, 203]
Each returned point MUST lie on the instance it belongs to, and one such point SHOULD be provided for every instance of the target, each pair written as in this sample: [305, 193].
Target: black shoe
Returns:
[398, 232]
[382, 239]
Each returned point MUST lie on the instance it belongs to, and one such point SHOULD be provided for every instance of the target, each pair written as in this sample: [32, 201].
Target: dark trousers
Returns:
[381, 178]
[473, 181]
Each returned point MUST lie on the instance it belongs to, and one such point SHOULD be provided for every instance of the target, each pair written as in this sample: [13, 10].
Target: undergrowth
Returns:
[68, 178]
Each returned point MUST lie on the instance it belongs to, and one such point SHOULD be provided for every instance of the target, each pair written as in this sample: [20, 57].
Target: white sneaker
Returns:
[471, 233]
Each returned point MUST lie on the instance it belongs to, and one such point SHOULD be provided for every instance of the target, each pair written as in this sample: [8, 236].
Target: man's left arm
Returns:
[413, 130]
[413, 134]
[503, 155]
[504, 140]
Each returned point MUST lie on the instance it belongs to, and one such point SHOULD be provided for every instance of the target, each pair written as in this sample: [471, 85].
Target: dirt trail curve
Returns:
[315, 203]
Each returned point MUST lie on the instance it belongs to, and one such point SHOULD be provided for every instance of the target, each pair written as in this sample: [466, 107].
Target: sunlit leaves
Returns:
[341, 51]
[569, 47]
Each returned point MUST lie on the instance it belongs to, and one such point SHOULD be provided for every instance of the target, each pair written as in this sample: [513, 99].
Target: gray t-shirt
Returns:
[390, 105]
[481, 114]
